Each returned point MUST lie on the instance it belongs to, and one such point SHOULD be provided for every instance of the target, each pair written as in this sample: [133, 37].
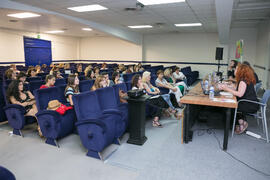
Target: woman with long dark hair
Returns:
[231, 69]
[72, 87]
[17, 95]
[245, 81]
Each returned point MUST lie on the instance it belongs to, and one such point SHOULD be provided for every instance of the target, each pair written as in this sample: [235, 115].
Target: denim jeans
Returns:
[166, 97]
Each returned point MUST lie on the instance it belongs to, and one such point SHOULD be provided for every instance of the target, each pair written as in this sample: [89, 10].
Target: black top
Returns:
[256, 78]
[249, 94]
[231, 73]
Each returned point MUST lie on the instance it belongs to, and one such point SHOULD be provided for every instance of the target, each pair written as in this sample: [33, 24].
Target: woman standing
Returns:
[231, 69]
[72, 88]
[245, 80]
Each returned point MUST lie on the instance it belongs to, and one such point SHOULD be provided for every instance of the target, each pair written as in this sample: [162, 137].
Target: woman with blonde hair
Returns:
[100, 82]
[168, 76]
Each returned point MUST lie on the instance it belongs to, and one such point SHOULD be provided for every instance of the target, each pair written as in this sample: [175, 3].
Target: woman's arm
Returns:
[70, 99]
[239, 93]
[14, 101]
[148, 90]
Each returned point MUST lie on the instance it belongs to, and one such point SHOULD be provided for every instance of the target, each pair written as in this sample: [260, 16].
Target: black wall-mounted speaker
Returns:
[219, 53]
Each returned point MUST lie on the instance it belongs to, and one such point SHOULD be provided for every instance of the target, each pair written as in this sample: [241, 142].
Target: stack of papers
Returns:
[227, 94]
[224, 100]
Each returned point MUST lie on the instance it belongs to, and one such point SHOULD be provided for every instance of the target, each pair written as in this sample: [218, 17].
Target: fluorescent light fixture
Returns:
[23, 15]
[87, 29]
[55, 31]
[94, 7]
[155, 2]
[188, 25]
[140, 26]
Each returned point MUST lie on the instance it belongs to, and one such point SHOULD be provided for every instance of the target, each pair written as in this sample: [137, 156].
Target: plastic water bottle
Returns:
[210, 78]
[206, 85]
[211, 93]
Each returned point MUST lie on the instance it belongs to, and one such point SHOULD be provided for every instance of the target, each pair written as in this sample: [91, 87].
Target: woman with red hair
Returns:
[245, 81]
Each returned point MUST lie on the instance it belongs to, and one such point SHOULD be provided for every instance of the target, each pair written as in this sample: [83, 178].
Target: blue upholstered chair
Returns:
[191, 76]
[95, 127]
[59, 82]
[53, 125]
[37, 78]
[107, 100]
[33, 85]
[5, 174]
[15, 115]
[86, 85]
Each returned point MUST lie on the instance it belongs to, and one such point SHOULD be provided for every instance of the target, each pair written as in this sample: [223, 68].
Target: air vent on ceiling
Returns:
[13, 20]
[139, 7]
[159, 24]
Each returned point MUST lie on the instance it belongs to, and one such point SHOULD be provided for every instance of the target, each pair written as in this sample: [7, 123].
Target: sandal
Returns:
[177, 115]
[155, 123]
[39, 132]
[241, 128]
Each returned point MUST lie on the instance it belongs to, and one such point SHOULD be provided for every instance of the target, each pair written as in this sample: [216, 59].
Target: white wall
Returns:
[184, 47]
[262, 55]
[12, 48]
[108, 48]
[249, 35]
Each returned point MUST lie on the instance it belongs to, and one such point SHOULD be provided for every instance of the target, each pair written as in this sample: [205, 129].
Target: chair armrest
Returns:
[92, 121]
[255, 102]
[15, 106]
[49, 112]
[111, 111]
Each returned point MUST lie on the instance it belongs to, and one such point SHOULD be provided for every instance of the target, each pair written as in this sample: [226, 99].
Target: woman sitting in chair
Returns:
[245, 80]
[100, 82]
[72, 87]
[50, 80]
[17, 95]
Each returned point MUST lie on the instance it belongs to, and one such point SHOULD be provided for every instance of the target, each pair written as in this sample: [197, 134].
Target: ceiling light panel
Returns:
[87, 29]
[93, 7]
[140, 26]
[155, 2]
[23, 15]
[55, 31]
[188, 25]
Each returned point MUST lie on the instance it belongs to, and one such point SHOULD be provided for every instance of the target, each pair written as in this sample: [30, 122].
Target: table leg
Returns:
[226, 128]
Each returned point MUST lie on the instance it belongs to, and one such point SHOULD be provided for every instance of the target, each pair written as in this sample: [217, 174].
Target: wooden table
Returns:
[195, 98]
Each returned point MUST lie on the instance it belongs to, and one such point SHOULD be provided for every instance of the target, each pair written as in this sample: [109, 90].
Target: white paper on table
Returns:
[224, 100]
[226, 94]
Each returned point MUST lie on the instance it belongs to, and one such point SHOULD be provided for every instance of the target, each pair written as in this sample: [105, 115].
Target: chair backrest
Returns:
[128, 77]
[33, 85]
[266, 96]
[59, 82]
[43, 96]
[86, 105]
[86, 85]
[37, 78]
[117, 87]
[106, 98]
[258, 87]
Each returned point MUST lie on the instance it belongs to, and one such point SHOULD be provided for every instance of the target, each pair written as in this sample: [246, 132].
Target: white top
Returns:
[180, 76]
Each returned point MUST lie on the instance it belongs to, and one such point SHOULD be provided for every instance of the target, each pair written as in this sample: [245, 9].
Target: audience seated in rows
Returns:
[161, 82]
[168, 75]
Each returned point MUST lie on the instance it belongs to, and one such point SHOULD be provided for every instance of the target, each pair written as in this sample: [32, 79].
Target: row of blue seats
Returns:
[100, 117]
